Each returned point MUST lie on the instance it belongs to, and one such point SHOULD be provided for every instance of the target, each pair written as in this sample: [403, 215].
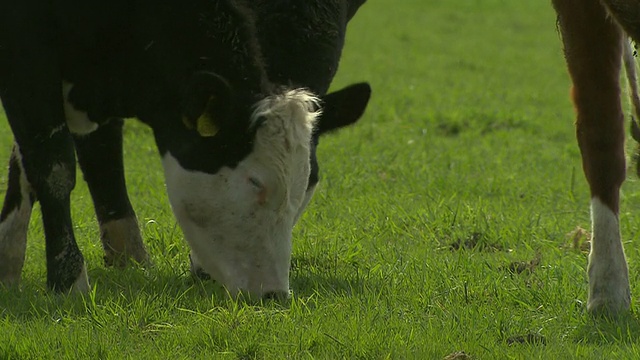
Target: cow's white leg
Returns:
[13, 244]
[607, 270]
[14, 222]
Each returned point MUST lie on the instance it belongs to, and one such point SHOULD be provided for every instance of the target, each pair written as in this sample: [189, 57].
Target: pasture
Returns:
[445, 220]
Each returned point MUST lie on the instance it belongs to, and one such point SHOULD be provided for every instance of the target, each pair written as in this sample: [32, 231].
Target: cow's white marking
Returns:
[81, 285]
[13, 244]
[13, 232]
[60, 181]
[121, 240]
[608, 272]
[77, 121]
[238, 221]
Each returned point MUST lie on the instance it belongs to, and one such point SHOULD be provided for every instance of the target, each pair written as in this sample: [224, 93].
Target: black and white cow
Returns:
[236, 148]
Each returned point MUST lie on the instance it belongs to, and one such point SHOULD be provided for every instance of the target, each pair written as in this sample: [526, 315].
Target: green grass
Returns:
[468, 139]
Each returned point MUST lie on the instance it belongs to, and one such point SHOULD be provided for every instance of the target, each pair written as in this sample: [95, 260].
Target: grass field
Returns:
[463, 172]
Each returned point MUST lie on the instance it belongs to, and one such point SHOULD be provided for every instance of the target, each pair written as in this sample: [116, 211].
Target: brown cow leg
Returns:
[593, 50]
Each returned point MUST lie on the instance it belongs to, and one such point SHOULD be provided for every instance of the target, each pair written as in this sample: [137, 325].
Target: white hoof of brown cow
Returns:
[609, 297]
[608, 272]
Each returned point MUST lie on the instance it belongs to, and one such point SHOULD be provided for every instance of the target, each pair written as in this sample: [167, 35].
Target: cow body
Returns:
[593, 33]
[70, 71]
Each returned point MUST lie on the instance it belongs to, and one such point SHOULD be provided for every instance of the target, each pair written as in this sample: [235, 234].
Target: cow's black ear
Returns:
[352, 7]
[343, 107]
[207, 103]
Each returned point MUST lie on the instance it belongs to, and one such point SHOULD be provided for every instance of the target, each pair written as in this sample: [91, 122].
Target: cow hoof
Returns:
[9, 281]
[605, 308]
[611, 300]
[81, 285]
[122, 243]
[10, 269]
[122, 260]
[197, 271]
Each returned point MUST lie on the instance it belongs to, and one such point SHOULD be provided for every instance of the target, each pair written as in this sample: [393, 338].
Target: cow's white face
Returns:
[239, 220]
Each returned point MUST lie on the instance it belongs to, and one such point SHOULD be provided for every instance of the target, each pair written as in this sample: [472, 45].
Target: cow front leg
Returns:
[49, 164]
[593, 48]
[32, 96]
[14, 221]
[100, 158]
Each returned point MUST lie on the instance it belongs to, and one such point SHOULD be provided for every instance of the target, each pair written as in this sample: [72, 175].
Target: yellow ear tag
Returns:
[206, 126]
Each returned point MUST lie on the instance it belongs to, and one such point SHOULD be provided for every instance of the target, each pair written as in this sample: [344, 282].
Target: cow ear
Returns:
[343, 107]
[206, 103]
[352, 7]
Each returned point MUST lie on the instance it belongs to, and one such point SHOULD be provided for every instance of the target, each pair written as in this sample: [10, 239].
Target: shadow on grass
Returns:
[157, 287]
[325, 276]
[328, 285]
[601, 331]
[34, 301]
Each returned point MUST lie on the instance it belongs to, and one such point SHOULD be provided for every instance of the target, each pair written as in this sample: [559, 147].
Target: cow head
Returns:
[236, 190]
[237, 187]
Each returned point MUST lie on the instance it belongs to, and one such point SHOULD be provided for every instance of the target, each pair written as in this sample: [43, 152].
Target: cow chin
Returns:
[253, 275]
[240, 244]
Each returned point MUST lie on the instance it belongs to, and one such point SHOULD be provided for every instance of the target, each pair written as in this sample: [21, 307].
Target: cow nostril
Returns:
[276, 295]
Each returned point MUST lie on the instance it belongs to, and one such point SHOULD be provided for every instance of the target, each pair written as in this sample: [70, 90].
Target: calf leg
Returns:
[100, 158]
[593, 48]
[14, 221]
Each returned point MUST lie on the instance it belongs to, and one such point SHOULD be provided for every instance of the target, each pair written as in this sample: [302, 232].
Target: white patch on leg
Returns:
[13, 233]
[121, 240]
[60, 181]
[607, 269]
[77, 121]
[13, 243]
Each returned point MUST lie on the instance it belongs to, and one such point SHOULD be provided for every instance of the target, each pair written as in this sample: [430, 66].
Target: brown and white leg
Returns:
[593, 51]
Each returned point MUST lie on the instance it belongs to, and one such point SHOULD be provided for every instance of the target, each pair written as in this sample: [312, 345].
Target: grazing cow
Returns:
[235, 147]
[302, 43]
[593, 33]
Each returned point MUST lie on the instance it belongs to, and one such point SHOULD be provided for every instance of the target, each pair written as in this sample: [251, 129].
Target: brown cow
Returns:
[594, 33]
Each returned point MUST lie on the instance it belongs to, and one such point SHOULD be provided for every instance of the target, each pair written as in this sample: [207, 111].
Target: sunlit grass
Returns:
[463, 172]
